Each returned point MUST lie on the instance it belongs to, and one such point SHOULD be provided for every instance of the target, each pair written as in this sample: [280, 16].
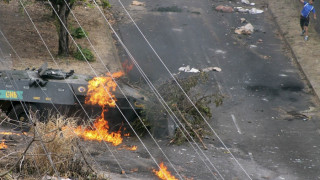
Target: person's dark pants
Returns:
[304, 21]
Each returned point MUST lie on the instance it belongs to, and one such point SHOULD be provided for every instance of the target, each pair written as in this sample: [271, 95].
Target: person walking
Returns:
[304, 18]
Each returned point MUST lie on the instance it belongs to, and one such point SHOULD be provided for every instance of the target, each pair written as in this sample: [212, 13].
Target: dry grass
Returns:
[54, 148]
[59, 141]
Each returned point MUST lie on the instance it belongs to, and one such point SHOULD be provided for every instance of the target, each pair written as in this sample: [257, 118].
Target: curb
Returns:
[305, 77]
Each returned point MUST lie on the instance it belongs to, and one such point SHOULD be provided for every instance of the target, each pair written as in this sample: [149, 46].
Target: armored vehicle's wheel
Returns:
[20, 116]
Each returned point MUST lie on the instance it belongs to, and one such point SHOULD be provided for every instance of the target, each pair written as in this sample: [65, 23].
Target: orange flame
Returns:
[99, 92]
[2, 145]
[100, 88]
[9, 133]
[163, 173]
[100, 132]
[127, 66]
[132, 148]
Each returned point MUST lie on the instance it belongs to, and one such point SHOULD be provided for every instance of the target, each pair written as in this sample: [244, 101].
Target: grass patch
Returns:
[87, 54]
[105, 4]
[78, 33]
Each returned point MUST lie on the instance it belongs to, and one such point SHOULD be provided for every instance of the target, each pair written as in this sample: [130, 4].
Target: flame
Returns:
[127, 66]
[2, 145]
[127, 135]
[163, 173]
[132, 148]
[100, 132]
[99, 91]
[100, 88]
[10, 133]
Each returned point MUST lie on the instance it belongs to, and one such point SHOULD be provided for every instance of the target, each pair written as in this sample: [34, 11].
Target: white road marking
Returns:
[235, 122]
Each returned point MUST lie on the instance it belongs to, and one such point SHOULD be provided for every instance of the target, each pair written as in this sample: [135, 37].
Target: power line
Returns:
[68, 83]
[104, 87]
[160, 59]
[15, 52]
[99, 57]
[156, 92]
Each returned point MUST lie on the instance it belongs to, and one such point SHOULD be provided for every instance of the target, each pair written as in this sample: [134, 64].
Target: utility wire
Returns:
[99, 57]
[104, 87]
[92, 69]
[15, 52]
[160, 59]
[69, 84]
[155, 91]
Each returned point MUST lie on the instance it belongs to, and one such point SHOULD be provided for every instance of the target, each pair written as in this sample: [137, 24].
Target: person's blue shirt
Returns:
[307, 9]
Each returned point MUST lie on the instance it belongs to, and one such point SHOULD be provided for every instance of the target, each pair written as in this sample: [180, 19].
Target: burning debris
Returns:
[12, 133]
[127, 66]
[100, 93]
[163, 173]
[3, 145]
[100, 132]
[132, 148]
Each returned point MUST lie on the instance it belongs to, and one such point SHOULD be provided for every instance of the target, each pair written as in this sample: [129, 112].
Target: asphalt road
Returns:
[269, 116]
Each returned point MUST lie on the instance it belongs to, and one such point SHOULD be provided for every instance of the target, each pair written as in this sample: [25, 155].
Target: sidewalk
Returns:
[305, 53]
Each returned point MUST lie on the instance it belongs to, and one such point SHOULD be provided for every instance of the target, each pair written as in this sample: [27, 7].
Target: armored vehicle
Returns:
[45, 88]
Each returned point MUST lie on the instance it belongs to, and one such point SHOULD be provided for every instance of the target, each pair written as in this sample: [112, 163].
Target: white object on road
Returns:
[246, 30]
[187, 69]
[253, 46]
[245, 1]
[251, 11]
[241, 9]
[208, 69]
[255, 11]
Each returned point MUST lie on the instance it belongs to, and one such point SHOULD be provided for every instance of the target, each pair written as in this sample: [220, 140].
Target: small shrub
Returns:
[79, 33]
[86, 52]
[105, 4]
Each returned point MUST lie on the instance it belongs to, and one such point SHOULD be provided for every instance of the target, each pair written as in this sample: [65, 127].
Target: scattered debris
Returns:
[245, 1]
[243, 20]
[248, 2]
[194, 70]
[187, 69]
[219, 51]
[250, 11]
[208, 69]
[260, 40]
[253, 46]
[46, 177]
[226, 9]
[241, 9]
[137, 3]
[246, 30]
[255, 11]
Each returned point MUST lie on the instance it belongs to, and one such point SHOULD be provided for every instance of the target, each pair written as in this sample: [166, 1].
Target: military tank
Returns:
[46, 89]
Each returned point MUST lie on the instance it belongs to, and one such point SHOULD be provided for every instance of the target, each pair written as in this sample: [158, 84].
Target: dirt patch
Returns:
[18, 29]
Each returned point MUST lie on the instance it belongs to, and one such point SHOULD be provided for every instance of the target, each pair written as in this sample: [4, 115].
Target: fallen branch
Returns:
[190, 126]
